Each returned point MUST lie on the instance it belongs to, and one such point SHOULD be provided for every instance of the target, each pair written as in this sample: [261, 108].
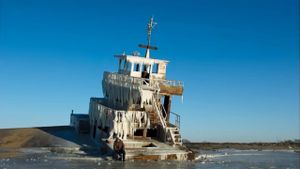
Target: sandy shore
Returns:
[58, 138]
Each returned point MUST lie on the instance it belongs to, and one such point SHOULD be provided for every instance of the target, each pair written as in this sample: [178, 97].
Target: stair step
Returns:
[176, 140]
[172, 129]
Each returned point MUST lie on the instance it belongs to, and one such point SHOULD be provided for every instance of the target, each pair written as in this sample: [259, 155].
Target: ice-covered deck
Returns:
[150, 149]
[171, 87]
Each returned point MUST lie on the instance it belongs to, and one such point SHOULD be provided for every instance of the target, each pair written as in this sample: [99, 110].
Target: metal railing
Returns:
[177, 119]
[141, 81]
[159, 113]
[163, 111]
[170, 82]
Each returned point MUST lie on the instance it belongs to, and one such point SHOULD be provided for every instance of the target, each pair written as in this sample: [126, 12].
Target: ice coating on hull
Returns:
[136, 107]
[117, 122]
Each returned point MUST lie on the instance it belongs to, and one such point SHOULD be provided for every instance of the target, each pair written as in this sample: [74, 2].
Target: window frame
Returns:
[136, 67]
[155, 68]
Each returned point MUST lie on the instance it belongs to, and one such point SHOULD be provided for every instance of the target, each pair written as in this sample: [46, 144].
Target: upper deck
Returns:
[166, 87]
[140, 67]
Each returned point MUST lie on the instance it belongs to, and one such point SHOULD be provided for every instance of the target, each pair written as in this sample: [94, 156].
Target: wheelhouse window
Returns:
[155, 68]
[128, 66]
[136, 67]
[144, 67]
[122, 64]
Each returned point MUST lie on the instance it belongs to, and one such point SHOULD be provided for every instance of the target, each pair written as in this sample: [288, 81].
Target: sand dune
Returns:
[60, 136]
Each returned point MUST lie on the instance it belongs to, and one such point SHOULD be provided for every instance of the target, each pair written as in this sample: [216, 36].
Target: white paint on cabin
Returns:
[135, 65]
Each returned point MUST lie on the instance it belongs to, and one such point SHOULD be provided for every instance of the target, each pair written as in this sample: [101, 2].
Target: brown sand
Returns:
[32, 137]
[11, 140]
[19, 138]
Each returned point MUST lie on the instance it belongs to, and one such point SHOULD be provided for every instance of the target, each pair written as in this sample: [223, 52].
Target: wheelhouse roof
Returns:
[140, 59]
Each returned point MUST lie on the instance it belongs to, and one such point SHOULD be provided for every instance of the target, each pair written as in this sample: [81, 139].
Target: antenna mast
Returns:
[150, 26]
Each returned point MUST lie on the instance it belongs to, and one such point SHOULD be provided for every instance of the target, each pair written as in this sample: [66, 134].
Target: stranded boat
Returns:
[136, 107]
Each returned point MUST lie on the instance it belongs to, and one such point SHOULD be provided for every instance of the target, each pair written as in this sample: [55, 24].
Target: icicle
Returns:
[182, 99]
[124, 127]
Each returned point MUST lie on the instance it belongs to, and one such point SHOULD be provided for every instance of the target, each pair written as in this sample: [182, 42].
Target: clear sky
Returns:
[239, 60]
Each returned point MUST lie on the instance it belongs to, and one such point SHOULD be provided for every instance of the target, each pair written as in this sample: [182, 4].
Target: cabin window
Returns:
[145, 67]
[136, 67]
[155, 68]
[128, 66]
[122, 64]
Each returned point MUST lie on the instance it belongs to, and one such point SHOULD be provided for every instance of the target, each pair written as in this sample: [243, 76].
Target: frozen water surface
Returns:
[221, 159]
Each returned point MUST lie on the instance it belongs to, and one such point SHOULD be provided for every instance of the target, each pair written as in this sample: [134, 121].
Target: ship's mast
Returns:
[150, 25]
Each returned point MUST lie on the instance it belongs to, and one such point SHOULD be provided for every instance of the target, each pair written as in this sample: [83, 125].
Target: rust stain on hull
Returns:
[147, 157]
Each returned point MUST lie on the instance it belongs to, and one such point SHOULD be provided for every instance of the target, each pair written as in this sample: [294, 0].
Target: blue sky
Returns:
[239, 60]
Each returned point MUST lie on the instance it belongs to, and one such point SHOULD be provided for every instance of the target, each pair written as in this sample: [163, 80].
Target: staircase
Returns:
[159, 112]
[175, 135]
[172, 131]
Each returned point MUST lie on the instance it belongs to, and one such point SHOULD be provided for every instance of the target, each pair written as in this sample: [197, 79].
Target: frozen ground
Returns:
[61, 147]
[41, 158]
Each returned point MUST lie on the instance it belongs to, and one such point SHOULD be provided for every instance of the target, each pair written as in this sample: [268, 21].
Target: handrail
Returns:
[163, 122]
[164, 111]
[177, 119]
[170, 82]
[141, 81]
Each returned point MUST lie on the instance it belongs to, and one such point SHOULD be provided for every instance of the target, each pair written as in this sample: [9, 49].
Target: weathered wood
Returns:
[170, 90]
